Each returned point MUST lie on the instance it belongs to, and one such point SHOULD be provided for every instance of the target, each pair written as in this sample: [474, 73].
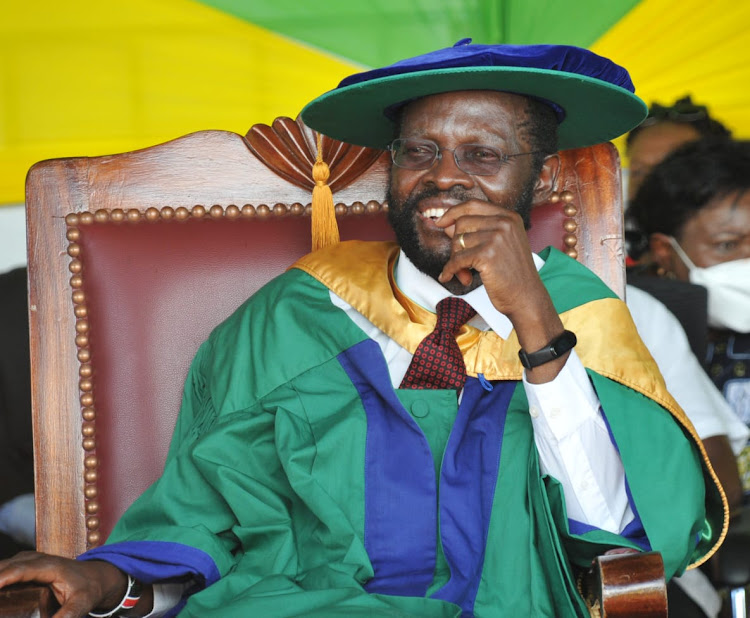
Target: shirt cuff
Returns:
[166, 596]
[566, 402]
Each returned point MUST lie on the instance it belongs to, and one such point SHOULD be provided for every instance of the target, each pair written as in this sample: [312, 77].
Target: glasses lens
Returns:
[479, 160]
[414, 154]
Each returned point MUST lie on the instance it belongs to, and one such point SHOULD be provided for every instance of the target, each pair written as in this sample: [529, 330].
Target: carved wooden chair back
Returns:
[134, 258]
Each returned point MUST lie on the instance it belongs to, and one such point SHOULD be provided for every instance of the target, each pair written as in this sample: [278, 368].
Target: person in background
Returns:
[666, 128]
[694, 208]
[724, 435]
[16, 455]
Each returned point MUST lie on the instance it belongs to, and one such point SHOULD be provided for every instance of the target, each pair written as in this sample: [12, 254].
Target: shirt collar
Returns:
[427, 293]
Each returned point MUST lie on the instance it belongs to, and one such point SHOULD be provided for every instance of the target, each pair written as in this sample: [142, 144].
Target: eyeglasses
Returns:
[475, 159]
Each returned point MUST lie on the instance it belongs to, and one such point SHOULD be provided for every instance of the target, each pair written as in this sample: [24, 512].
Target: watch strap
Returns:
[554, 349]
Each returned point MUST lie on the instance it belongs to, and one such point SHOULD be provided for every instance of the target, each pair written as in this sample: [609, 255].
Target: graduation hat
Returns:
[592, 96]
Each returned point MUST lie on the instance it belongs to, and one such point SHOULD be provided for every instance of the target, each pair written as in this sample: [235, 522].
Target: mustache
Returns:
[457, 193]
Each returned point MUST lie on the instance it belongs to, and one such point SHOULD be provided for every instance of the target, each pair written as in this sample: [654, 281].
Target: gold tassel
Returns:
[325, 229]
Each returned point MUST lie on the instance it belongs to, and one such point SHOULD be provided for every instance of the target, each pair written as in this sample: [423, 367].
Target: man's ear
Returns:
[662, 251]
[547, 180]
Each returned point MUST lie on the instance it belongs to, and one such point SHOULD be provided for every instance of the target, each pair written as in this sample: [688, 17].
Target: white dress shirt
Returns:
[571, 436]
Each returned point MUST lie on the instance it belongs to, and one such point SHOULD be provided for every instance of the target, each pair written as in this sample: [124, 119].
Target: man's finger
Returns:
[76, 606]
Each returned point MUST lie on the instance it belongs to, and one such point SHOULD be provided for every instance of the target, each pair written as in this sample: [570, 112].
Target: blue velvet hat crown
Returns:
[592, 96]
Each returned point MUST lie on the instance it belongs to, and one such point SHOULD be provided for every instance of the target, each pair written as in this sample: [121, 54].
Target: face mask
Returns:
[728, 286]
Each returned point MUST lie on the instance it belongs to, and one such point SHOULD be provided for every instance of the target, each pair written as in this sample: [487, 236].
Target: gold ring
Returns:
[461, 240]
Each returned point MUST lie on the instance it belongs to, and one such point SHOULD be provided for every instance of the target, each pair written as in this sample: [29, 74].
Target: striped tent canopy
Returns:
[85, 77]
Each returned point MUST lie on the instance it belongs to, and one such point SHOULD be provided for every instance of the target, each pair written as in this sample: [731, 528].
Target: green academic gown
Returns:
[299, 482]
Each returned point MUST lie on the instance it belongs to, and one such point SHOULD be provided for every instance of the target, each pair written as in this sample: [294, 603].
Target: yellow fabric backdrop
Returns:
[698, 47]
[88, 78]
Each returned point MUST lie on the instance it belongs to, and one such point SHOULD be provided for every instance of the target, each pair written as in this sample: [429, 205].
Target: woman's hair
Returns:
[686, 181]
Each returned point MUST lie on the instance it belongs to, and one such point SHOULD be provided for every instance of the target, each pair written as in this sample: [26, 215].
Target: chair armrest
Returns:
[27, 601]
[626, 585]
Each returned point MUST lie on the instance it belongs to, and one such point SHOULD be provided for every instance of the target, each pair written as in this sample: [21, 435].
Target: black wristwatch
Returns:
[554, 349]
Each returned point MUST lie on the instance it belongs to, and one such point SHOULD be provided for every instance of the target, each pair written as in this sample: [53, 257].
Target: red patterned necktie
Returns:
[438, 362]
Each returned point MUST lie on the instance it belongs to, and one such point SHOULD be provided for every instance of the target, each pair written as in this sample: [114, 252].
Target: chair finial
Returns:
[325, 230]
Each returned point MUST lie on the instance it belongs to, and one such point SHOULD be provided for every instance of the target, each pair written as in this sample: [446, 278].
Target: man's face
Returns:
[418, 197]
[651, 146]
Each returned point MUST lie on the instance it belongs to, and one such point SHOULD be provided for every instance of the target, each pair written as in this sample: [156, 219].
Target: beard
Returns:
[402, 216]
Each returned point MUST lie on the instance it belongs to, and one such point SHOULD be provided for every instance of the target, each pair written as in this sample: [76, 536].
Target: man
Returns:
[664, 130]
[372, 464]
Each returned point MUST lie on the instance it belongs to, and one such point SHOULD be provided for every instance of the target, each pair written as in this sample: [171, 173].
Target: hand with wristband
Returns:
[83, 588]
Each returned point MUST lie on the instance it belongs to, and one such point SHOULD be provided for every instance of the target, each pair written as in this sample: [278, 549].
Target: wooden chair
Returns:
[135, 257]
